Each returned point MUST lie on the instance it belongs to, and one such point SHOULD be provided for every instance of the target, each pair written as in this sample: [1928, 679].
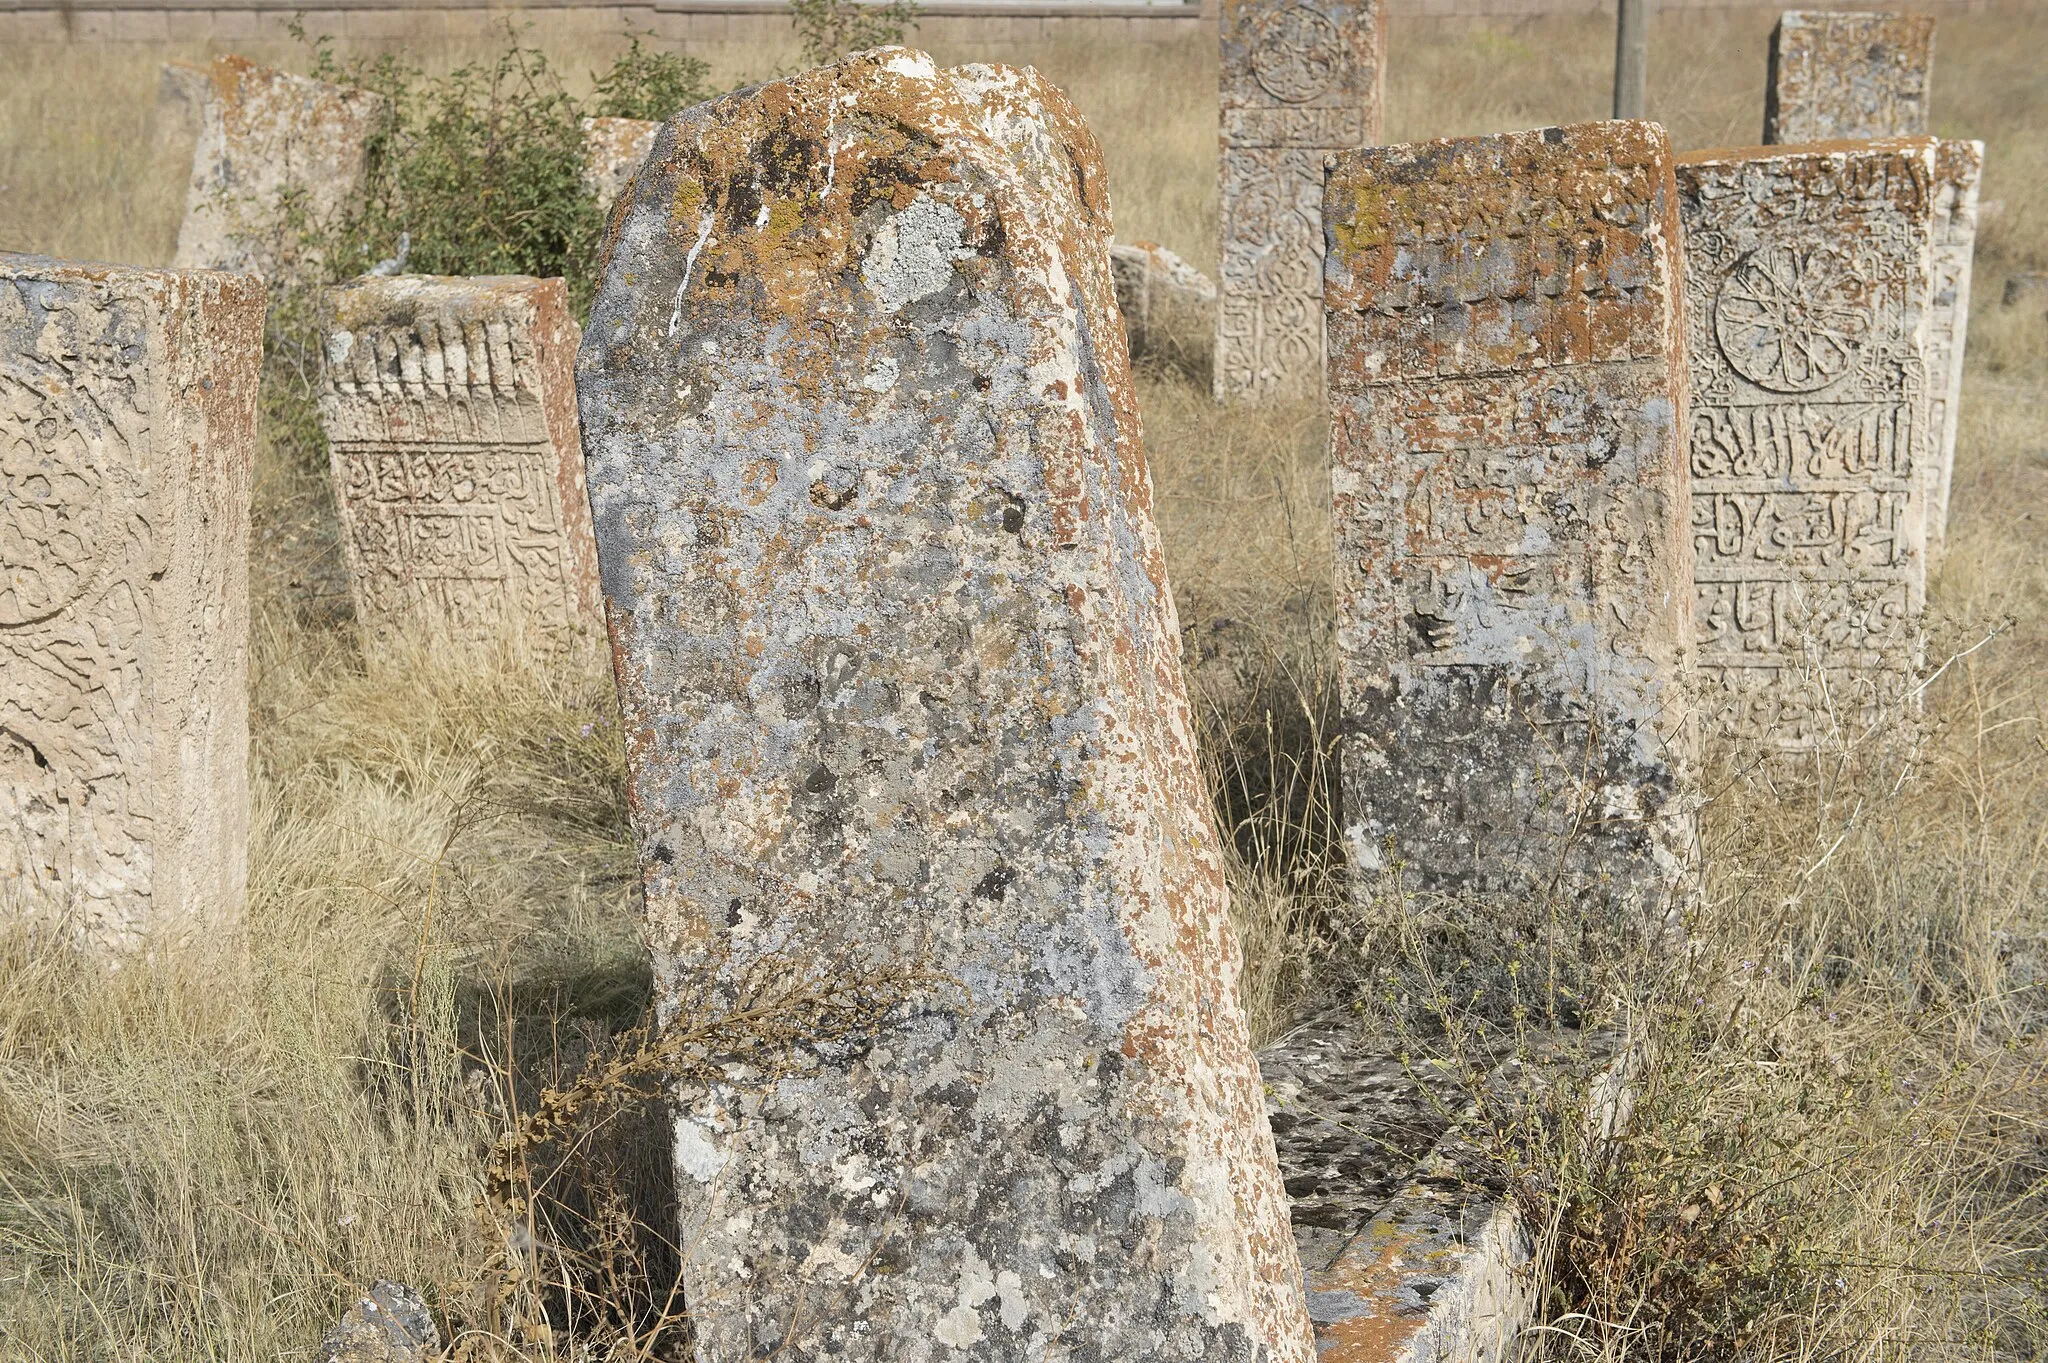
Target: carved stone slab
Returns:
[1847, 75]
[613, 149]
[1507, 398]
[127, 426]
[1958, 167]
[900, 671]
[1169, 306]
[263, 133]
[450, 411]
[1299, 79]
[1807, 298]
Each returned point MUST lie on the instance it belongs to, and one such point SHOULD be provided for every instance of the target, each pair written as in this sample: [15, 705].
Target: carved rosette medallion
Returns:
[54, 505]
[1791, 319]
[1296, 53]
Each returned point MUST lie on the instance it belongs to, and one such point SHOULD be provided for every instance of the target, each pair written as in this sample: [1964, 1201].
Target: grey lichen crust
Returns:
[899, 666]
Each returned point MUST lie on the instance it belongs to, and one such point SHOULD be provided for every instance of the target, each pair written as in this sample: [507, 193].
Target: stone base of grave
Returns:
[1411, 1251]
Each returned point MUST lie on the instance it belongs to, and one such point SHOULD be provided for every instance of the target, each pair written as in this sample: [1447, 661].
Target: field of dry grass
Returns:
[1839, 1144]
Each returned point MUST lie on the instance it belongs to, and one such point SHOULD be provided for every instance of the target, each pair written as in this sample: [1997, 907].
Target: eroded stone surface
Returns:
[899, 666]
[127, 425]
[388, 1324]
[1300, 79]
[1169, 306]
[265, 136]
[1507, 397]
[450, 411]
[1958, 167]
[613, 149]
[1807, 277]
[1847, 75]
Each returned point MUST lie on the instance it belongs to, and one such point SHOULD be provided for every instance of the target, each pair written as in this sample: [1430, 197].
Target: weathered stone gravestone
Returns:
[613, 149]
[1846, 75]
[274, 149]
[1169, 306]
[1507, 399]
[895, 641]
[127, 426]
[1299, 81]
[1807, 276]
[1958, 167]
[450, 411]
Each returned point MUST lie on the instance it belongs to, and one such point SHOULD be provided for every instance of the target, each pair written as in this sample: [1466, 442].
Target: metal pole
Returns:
[1631, 56]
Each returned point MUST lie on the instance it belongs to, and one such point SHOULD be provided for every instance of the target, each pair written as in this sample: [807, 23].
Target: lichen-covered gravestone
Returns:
[613, 149]
[1807, 276]
[900, 673]
[1847, 75]
[1299, 79]
[276, 152]
[1958, 167]
[1507, 397]
[127, 425]
[450, 411]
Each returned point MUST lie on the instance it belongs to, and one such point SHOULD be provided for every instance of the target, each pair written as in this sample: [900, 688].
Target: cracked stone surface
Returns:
[127, 426]
[900, 670]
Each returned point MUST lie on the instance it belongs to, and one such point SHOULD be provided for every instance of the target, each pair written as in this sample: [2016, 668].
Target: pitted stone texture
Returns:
[613, 149]
[898, 660]
[1507, 397]
[1840, 76]
[1958, 168]
[1300, 79]
[450, 411]
[1169, 306]
[267, 137]
[1807, 298]
[389, 1324]
[127, 426]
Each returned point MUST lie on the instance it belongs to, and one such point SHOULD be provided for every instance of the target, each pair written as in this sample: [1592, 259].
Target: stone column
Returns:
[1807, 278]
[127, 426]
[901, 676]
[1507, 403]
[1958, 167]
[1842, 75]
[450, 411]
[1299, 81]
[262, 134]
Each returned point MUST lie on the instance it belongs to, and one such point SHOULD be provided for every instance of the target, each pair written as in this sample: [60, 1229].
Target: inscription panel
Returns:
[1507, 400]
[1842, 76]
[1808, 288]
[1298, 81]
[127, 421]
[449, 411]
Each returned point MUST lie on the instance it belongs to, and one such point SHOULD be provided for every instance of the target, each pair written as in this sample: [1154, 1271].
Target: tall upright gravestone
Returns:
[1958, 167]
[1507, 415]
[450, 412]
[127, 426]
[272, 147]
[1838, 75]
[1300, 79]
[1808, 288]
[899, 665]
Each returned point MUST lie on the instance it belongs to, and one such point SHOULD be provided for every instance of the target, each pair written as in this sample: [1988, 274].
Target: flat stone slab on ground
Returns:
[1847, 75]
[450, 412]
[1300, 79]
[1507, 400]
[127, 427]
[899, 665]
[1808, 293]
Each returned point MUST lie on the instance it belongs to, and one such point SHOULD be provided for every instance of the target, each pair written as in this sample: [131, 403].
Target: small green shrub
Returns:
[829, 29]
[650, 85]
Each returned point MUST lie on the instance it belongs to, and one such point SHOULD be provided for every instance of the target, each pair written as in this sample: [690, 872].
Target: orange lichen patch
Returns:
[1847, 76]
[1376, 1329]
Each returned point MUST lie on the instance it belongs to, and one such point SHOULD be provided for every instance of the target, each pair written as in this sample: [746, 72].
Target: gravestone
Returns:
[1507, 399]
[1299, 79]
[1169, 306]
[1958, 168]
[450, 412]
[1807, 298]
[127, 426]
[613, 149]
[271, 146]
[896, 646]
[1838, 76]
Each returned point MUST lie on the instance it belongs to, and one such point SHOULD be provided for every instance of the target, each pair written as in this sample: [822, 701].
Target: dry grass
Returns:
[1836, 1149]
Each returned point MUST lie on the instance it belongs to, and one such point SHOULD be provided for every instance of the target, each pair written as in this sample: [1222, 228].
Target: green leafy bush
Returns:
[829, 29]
[650, 84]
